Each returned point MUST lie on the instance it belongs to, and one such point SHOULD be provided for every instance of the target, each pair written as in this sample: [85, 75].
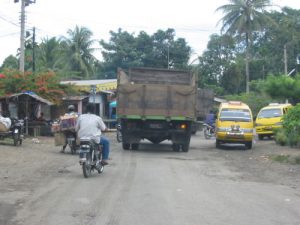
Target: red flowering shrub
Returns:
[45, 84]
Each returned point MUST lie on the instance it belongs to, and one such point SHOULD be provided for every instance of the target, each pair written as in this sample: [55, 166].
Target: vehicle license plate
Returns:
[155, 125]
[235, 135]
[268, 128]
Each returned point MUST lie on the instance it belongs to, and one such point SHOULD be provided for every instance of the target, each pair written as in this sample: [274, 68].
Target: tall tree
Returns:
[78, 49]
[160, 50]
[243, 17]
[215, 60]
[120, 51]
[49, 57]
[10, 62]
[285, 36]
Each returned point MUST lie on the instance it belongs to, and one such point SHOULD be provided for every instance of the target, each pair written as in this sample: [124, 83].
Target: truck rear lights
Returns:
[183, 126]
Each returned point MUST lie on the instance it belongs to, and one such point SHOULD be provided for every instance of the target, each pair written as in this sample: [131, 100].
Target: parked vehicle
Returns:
[234, 124]
[269, 118]
[158, 105]
[90, 157]
[16, 132]
[208, 131]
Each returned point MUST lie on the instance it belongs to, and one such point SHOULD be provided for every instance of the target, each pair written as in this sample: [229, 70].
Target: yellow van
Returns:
[234, 124]
[269, 118]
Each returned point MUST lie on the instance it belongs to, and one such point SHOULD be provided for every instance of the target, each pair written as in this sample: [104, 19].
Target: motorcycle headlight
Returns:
[223, 129]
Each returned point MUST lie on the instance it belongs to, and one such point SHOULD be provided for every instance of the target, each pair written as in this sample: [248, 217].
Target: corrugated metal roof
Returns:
[74, 98]
[31, 94]
[88, 82]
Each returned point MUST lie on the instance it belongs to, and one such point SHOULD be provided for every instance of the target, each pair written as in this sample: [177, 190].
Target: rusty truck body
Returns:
[157, 105]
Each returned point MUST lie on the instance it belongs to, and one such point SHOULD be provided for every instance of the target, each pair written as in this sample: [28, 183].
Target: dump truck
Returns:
[156, 105]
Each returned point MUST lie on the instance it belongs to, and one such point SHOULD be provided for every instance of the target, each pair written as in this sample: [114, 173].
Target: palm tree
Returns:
[243, 17]
[78, 51]
[49, 54]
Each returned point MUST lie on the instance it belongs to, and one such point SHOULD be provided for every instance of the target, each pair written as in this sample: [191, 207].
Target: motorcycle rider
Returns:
[211, 120]
[91, 126]
[71, 111]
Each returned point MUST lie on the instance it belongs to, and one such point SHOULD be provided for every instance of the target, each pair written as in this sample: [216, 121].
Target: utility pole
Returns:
[24, 3]
[33, 50]
[22, 38]
[285, 60]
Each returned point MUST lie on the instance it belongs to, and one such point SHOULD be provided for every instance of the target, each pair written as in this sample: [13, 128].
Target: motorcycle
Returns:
[119, 133]
[71, 141]
[209, 131]
[16, 132]
[90, 155]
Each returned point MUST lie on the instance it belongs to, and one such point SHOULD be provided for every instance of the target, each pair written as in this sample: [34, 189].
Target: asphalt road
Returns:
[150, 186]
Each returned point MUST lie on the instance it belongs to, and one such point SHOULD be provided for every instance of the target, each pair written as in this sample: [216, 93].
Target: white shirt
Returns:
[89, 126]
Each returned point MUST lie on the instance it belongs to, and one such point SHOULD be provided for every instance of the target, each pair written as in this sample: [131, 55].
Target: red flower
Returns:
[2, 75]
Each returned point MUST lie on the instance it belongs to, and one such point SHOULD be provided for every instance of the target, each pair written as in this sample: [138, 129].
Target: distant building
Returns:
[100, 92]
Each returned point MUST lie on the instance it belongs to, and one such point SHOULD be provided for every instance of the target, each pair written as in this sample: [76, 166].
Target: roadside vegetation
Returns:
[286, 159]
[289, 134]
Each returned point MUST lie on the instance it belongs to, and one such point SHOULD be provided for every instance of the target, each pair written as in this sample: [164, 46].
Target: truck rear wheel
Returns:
[185, 147]
[135, 146]
[126, 146]
[176, 147]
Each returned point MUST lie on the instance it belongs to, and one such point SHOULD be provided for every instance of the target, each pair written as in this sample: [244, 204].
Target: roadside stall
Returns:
[30, 107]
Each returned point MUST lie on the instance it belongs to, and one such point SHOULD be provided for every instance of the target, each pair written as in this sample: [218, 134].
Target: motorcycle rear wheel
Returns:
[119, 136]
[73, 147]
[207, 134]
[87, 167]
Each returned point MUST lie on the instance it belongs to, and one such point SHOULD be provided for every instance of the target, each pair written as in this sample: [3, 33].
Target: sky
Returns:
[193, 20]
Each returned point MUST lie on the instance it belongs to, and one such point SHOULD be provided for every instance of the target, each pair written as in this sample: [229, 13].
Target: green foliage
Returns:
[280, 137]
[78, 51]
[285, 33]
[217, 61]
[292, 159]
[290, 132]
[243, 18]
[291, 120]
[11, 62]
[253, 100]
[160, 50]
[281, 158]
[221, 65]
[283, 87]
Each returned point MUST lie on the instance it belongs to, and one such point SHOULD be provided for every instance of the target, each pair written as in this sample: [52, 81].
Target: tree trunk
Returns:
[247, 63]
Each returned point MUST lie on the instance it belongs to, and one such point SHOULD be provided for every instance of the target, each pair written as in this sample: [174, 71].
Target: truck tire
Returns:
[185, 147]
[126, 146]
[135, 146]
[176, 147]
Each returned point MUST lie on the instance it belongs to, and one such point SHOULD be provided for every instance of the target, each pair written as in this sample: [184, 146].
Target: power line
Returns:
[10, 34]
[6, 20]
